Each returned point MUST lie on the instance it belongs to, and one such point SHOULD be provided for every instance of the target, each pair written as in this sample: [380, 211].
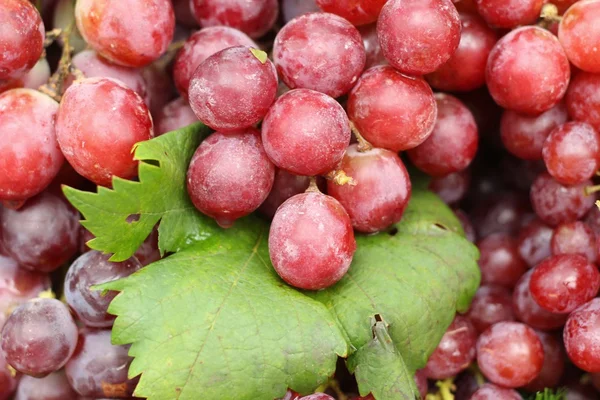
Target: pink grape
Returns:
[489, 391]
[534, 242]
[21, 39]
[418, 36]
[500, 262]
[554, 364]
[175, 115]
[491, 304]
[392, 110]
[52, 387]
[98, 123]
[452, 145]
[253, 17]
[233, 89]
[201, 45]
[582, 336]
[529, 312]
[132, 33]
[500, 213]
[382, 189]
[319, 51]
[37, 76]
[583, 98]
[311, 242]
[306, 132]
[451, 188]
[285, 186]
[509, 13]
[230, 175]
[575, 238]
[30, 157]
[158, 86]
[579, 34]
[516, 64]
[358, 12]
[372, 47]
[8, 381]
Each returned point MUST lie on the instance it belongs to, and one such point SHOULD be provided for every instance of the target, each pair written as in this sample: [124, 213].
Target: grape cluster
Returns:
[317, 108]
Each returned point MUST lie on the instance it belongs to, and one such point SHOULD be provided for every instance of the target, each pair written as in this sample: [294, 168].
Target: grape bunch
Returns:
[318, 111]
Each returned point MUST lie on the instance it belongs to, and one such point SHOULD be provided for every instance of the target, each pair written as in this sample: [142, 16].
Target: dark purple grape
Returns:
[534, 242]
[499, 213]
[8, 381]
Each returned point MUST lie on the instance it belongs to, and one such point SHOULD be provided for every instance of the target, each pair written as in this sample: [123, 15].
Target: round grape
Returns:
[534, 242]
[311, 242]
[500, 262]
[491, 304]
[52, 387]
[509, 13]
[554, 364]
[158, 86]
[502, 212]
[575, 238]
[8, 381]
[451, 188]
[583, 98]
[489, 391]
[579, 34]
[372, 47]
[358, 12]
[285, 186]
[528, 311]
[582, 336]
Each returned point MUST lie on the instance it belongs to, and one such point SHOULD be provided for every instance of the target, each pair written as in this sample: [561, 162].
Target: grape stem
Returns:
[591, 189]
[312, 186]
[446, 387]
[549, 15]
[51, 36]
[363, 144]
[339, 177]
[55, 85]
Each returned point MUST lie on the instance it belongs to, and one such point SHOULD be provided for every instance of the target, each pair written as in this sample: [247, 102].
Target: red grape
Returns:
[528, 311]
[201, 45]
[21, 38]
[582, 336]
[465, 222]
[372, 47]
[510, 354]
[306, 132]
[52, 387]
[183, 14]
[36, 77]
[583, 98]
[319, 51]
[421, 382]
[563, 5]
[509, 13]
[418, 36]
[291, 9]
[285, 186]
[253, 17]
[311, 242]
[555, 203]
[453, 143]
[491, 304]
[230, 175]
[358, 12]
[392, 110]
[575, 238]
[8, 381]
[317, 396]
[489, 391]
[93, 268]
[554, 364]
[500, 262]
[528, 71]
[233, 89]
[500, 213]
[455, 352]
[98, 123]
[562, 283]
[29, 153]
[524, 135]
[534, 242]
[158, 86]
[39, 337]
[98, 368]
[41, 235]
[465, 70]
[572, 153]
[451, 188]
[175, 115]
[382, 189]
[132, 33]
[579, 34]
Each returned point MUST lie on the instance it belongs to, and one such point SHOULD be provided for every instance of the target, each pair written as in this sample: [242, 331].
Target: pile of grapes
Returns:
[319, 110]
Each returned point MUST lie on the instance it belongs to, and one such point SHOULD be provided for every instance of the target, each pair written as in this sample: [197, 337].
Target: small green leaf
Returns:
[550, 394]
[160, 195]
[260, 55]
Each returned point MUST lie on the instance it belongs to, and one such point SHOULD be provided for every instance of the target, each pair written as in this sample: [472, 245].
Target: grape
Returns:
[371, 45]
[499, 213]
[53, 387]
[285, 186]
[489, 391]
[453, 143]
[291, 395]
[93, 268]
[183, 14]
[491, 304]
[554, 364]
[317, 396]
[175, 115]
[382, 189]
[575, 238]
[311, 242]
[470, 233]
[201, 45]
[582, 336]
[510, 354]
[132, 33]
[158, 86]
[534, 242]
[319, 51]
[21, 39]
[421, 382]
[509, 13]
[500, 262]
[8, 382]
[418, 36]
[392, 110]
[528, 71]
[41, 235]
[253, 17]
[583, 98]
[99, 368]
[465, 70]
[358, 12]
[579, 34]
[291, 9]
[562, 283]
[451, 188]
[524, 135]
[39, 337]
[306, 132]
[455, 351]
[38, 75]
[528, 311]
[29, 154]
[230, 176]
[555, 203]
[572, 153]
[98, 123]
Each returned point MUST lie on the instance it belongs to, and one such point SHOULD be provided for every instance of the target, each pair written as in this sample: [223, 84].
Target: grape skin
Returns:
[489, 391]
[583, 98]
[285, 186]
[372, 47]
[582, 336]
[358, 12]
[490, 305]
[500, 262]
[175, 115]
[52, 387]
[534, 242]
[451, 188]
[528, 311]
[509, 13]
[554, 364]
[8, 382]
[578, 33]
[575, 238]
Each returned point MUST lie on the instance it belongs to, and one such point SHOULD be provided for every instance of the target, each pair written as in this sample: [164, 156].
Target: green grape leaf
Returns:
[121, 218]
[215, 321]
